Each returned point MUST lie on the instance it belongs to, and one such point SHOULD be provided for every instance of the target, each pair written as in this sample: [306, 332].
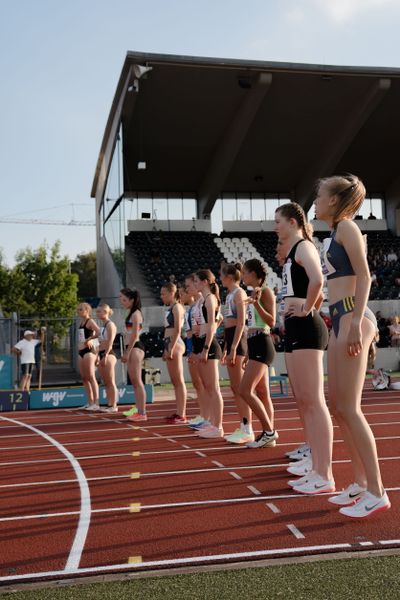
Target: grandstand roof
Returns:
[211, 125]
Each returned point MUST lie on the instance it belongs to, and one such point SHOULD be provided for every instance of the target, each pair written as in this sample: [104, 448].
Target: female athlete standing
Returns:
[354, 328]
[306, 337]
[174, 348]
[88, 331]
[107, 358]
[235, 348]
[134, 351]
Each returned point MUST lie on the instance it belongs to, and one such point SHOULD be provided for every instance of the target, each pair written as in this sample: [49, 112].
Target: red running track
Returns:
[92, 493]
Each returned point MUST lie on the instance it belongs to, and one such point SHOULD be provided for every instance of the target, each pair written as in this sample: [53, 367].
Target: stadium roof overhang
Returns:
[207, 126]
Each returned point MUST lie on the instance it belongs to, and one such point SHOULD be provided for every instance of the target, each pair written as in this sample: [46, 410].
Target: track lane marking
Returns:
[84, 513]
[296, 532]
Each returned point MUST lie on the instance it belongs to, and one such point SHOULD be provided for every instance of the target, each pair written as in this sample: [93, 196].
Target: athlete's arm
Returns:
[266, 306]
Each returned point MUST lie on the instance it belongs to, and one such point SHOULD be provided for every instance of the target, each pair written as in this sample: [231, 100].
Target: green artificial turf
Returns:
[372, 578]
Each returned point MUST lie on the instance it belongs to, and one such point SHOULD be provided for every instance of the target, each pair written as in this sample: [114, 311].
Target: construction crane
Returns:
[33, 221]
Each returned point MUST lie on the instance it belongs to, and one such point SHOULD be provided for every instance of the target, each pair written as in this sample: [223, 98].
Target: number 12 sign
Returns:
[12, 400]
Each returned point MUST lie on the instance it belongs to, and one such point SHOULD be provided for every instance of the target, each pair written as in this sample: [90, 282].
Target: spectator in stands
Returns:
[209, 352]
[189, 298]
[174, 348]
[88, 332]
[305, 341]
[254, 386]
[106, 358]
[394, 329]
[25, 349]
[391, 257]
[235, 347]
[354, 328]
[133, 356]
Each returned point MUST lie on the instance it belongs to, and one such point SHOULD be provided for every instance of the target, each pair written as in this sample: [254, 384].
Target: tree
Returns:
[84, 266]
[40, 284]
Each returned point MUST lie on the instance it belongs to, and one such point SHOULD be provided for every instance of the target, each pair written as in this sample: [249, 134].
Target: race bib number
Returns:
[287, 284]
[81, 336]
[327, 267]
[250, 315]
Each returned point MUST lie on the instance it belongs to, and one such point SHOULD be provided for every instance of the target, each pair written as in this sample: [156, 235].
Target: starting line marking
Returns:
[235, 475]
[273, 507]
[253, 489]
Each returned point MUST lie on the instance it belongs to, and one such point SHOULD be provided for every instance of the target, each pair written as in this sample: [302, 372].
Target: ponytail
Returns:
[292, 210]
[207, 275]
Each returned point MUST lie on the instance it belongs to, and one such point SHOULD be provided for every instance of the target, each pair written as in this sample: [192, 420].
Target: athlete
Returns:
[235, 347]
[174, 348]
[208, 353]
[306, 337]
[106, 357]
[338, 200]
[190, 297]
[133, 356]
[254, 386]
[88, 332]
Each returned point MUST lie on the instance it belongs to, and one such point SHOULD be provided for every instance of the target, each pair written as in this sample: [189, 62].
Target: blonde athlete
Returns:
[88, 331]
[354, 328]
[107, 359]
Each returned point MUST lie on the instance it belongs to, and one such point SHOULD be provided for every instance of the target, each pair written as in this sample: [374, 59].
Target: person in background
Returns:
[88, 332]
[133, 356]
[106, 358]
[394, 331]
[25, 349]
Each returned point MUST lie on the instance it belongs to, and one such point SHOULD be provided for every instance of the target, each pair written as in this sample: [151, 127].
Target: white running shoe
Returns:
[350, 495]
[195, 421]
[301, 480]
[85, 407]
[367, 505]
[316, 485]
[303, 469]
[267, 440]
[300, 463]
[240, 436]
[109, 409]
[298, 453]
[211, 432]
[93, 408]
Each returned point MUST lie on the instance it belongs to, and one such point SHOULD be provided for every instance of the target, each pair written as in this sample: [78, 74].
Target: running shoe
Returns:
[175, 419]
[85, 407]
[301, 480]
[315, 485]
[130, 412]
[240, 436]
[93, 408]
[301, 470]
[109, 409]
[303, 451]
[211, 432]
[137, 417]
[267, 440]
[195, 420]
[367, 505]
[299, 463]
[350, 495]
[204, 425]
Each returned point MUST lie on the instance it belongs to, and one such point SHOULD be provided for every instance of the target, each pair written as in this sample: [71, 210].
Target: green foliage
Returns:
[85, 267]
[39, 285]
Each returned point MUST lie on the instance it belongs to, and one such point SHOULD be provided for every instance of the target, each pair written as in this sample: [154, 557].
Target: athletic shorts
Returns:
[102, 353]
[241, 349]
[306, 333]
[214, 351]
[261, 348]
[86, 351]
[139, 345]
[344, 306]
[167, 342]
[27, 368]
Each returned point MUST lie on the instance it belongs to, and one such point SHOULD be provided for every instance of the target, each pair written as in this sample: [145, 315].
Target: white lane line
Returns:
[51, 423]
[366, 543]
[201, 454]
[273, 507]
[185, 446]
[218, 464]
[296, 532]
[74, 432]
[254, 490]
[183, 561]
[85, 510]
[235, 475]
[164, 452]
[190, 436]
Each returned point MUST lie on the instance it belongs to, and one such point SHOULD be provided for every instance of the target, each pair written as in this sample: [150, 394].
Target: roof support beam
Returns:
[326, 163]
[230, 144]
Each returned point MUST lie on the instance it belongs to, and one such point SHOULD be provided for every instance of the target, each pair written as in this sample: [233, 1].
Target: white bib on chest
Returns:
[287, 284]
[327, 267]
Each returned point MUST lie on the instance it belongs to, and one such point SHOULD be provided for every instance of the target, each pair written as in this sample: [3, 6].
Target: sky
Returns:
[60, 63]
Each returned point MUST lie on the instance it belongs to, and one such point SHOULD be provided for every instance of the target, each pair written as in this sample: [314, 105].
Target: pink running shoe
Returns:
[137, 417]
